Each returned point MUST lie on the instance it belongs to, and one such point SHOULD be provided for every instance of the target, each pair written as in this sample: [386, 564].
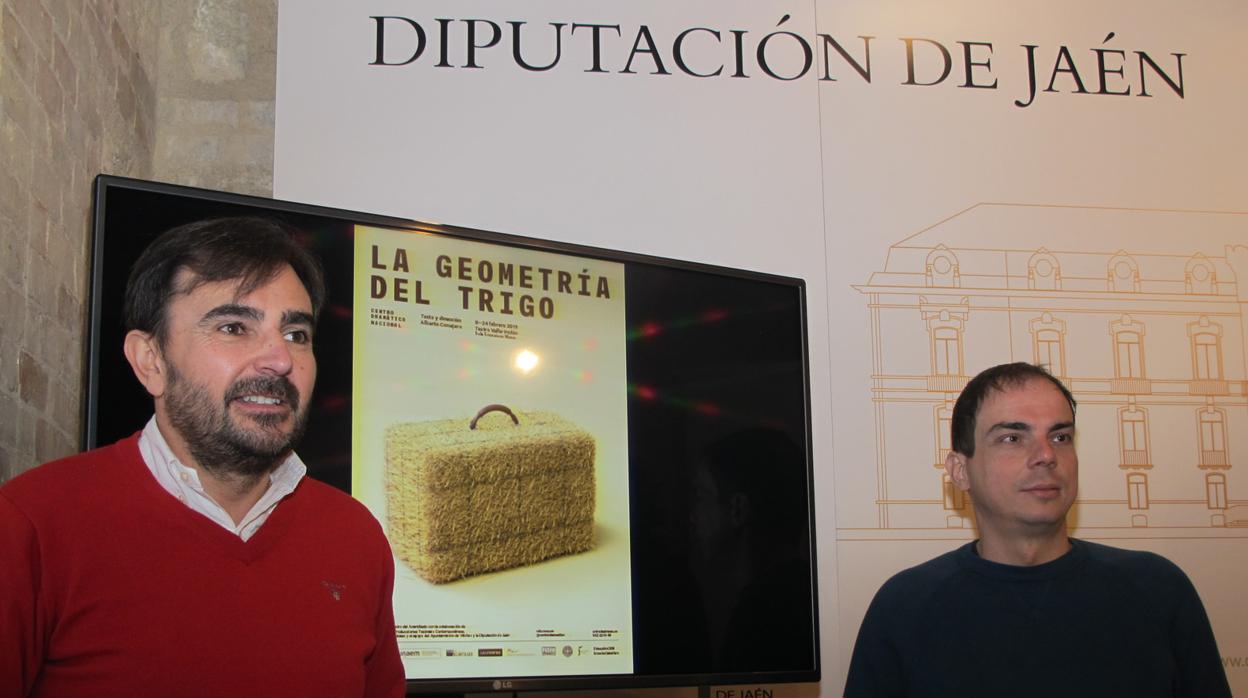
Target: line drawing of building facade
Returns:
[1141, 312]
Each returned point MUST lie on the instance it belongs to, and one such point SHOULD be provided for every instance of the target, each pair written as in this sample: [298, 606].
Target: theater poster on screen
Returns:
[444, 327]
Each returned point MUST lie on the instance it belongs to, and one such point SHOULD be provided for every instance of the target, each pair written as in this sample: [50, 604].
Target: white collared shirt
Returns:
[182, 481]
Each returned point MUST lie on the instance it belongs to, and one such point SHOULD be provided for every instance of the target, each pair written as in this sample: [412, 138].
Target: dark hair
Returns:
[966, 409]
[251, 250]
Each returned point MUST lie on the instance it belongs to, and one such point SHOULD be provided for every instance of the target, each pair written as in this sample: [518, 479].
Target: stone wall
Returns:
[177, 90]
[214, 115]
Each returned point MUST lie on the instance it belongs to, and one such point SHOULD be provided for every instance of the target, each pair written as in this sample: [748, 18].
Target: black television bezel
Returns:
[455, 686]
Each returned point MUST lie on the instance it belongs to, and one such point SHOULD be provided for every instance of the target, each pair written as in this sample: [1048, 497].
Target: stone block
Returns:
[197, 150]
[13, 217]
[200, 115]
[259, 116]
[12, 267]
[59, 354]
[256, 180]
[118, 42]
[96, 38]
[24, 450]
[19, 119]
[32, 382]
[34, 18]
[217, 41]
[46, 184]
[249, 151]
[51, 443]
[37, 230]
[124, 100]
[40, 291]
[50, 93]
[6, 471]
[89, 115]
[8, 420]
[16, 52]
[68, 308]
[60, 16]
[8, 362]
[65, 69]
[65, 412]
[76, 139]
[59, 412]
[12, 308]
[82, 52]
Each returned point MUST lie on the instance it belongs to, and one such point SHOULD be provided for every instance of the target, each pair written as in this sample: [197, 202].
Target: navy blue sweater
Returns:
[1098, 621]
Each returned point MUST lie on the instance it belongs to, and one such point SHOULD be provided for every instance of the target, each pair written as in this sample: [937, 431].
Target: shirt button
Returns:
[186, 478]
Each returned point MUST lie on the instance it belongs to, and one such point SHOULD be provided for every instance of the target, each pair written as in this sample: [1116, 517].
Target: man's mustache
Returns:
[269, 386]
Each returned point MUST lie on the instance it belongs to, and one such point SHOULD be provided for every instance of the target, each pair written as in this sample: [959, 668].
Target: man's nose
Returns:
[274, 356]
[1044, 454]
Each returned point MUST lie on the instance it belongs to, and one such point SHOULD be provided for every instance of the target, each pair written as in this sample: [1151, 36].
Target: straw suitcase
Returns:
[500, 491]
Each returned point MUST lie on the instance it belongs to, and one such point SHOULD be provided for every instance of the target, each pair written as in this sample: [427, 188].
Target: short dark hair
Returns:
[966, 409]
[251, 250]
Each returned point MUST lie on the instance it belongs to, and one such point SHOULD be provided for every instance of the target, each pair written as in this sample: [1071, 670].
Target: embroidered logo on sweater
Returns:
[335, 589]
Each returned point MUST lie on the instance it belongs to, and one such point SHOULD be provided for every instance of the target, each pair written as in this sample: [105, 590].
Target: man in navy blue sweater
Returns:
[1026, 610]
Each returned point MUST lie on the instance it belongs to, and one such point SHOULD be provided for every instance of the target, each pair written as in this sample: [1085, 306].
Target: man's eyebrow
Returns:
[233, 310]
[1010, 426]
[298, 317]
[1023, 426]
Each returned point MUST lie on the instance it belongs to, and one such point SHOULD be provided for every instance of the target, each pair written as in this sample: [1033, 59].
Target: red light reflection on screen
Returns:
[707, 408]
[714, 315]
[333, 403]
[648, 330]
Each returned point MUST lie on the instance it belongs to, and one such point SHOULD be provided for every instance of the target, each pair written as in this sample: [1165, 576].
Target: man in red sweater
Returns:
[194, 558]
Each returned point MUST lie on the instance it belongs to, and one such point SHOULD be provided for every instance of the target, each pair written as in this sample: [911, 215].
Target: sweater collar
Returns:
[969, 559]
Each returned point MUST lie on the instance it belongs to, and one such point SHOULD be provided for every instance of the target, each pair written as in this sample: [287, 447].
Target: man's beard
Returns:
[218, 443]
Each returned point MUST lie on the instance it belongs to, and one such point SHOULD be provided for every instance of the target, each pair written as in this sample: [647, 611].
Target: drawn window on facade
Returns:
[1206, 338]
[1049, 351]
[1212, 438]
[1123, 273]
[1129, 354]
[944, 441]
[1207, 356]
[942, 269]
[1137, 491]
[955, 499]
[946, 351]
[1048, 335]
[1133, 431]
[1215, 490]
[1043, 272]
[1199, 277]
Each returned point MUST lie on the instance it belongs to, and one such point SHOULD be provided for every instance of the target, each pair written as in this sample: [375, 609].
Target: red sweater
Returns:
[109, 586]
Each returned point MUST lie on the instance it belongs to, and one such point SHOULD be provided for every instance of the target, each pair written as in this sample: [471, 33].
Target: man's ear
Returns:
[955, 465]
[146, 360]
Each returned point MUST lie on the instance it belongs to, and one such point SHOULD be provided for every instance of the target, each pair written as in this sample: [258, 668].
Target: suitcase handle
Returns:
[494, 408]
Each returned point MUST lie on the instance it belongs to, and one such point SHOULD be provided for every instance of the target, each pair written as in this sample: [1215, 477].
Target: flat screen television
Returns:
[671, 544]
